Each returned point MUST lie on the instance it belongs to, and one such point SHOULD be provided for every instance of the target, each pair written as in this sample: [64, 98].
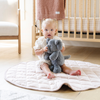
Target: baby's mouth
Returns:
[49, 35]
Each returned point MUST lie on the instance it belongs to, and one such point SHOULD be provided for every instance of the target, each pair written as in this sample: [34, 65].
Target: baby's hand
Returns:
[63, 49]
[45, 49]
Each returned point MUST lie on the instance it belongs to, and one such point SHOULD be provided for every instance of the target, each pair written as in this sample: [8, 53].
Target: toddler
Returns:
[49, 29]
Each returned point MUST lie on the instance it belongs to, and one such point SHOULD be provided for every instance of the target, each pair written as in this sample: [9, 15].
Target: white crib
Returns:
[81, 24]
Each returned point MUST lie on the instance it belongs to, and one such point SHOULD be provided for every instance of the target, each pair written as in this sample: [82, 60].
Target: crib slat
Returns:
[94, 19]
[70, 8]
[33, 27]
[80, 8]
[66, 9]
[57, 27]
[84, 8]
[88, 19]
[99, 8]
[74, 18]
[69, 14]
[89, 8]
[81, 18]
[83, 39]
[62, 28]
[40, 28]
[34, 12]
[36, 30]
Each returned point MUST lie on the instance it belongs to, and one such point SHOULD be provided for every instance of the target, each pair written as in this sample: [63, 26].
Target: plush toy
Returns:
[54, 55]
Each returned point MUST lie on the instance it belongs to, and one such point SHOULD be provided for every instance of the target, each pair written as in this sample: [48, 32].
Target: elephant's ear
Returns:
[47, 40]
[58, 43]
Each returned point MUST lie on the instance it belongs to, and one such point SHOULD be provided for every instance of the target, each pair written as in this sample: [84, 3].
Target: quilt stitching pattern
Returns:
[27, 75]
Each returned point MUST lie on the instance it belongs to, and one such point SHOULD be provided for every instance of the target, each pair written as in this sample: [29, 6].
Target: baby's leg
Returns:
[67, 70]
[47, 71]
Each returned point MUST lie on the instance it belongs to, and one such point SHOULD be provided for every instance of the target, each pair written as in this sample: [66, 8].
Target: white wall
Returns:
[26, 22]
[27, 25]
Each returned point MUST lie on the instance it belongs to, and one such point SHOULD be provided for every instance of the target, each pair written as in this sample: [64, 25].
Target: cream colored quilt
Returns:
[27, 75]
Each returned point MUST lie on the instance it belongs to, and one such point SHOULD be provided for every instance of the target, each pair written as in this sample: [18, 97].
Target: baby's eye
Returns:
[51, 29]
[46, 30]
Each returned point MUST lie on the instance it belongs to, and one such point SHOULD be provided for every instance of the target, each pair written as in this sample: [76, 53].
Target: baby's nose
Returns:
[49, 31]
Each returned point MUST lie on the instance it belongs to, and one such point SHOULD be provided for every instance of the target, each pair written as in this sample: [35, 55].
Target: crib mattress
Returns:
[78, 24]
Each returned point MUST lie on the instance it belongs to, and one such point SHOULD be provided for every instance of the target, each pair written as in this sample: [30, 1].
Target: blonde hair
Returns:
[49, 21]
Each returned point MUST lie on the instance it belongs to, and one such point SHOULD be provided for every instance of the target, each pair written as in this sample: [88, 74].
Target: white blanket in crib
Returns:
[27, 75]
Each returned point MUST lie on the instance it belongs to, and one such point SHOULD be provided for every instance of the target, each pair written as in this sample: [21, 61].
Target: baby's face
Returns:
[49, 31]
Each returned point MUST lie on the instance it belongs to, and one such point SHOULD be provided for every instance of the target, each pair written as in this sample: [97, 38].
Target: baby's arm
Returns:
[63, 49]
[41, 51]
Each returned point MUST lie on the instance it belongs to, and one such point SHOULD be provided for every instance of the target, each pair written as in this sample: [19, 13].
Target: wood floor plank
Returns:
[79, 53]
[89, 95]
[94, 56]
[9, 57]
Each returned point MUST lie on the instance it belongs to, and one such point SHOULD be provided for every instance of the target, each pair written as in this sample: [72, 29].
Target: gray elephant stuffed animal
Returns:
[54, 55]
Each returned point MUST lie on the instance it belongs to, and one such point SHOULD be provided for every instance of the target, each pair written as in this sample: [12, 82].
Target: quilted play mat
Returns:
[28, 75]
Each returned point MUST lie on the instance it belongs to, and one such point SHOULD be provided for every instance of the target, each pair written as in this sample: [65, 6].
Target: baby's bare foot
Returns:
[78, 72]
[50, 75]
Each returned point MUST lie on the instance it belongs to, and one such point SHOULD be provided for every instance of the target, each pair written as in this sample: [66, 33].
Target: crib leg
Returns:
[33, 39]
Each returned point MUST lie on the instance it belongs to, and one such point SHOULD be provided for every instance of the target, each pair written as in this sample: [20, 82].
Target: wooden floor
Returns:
[9, 57]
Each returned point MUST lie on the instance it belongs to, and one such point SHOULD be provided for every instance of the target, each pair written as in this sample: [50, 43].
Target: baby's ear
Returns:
[42, 30]
[56, 30]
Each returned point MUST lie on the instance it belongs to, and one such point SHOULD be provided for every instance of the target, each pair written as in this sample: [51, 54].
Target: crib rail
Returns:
[84, 12]
[81, 8]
